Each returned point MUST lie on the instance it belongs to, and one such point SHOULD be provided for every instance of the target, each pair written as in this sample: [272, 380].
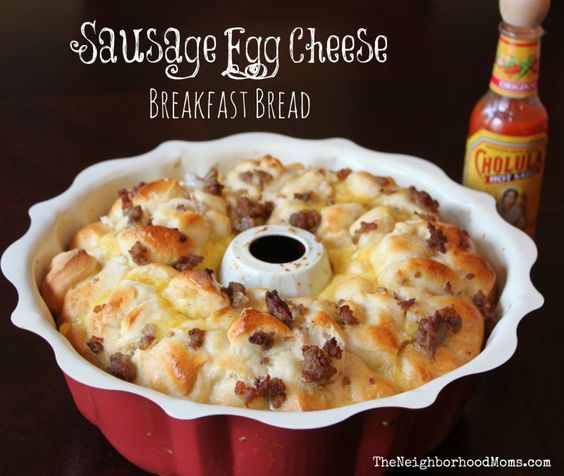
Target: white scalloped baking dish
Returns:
[509, 251]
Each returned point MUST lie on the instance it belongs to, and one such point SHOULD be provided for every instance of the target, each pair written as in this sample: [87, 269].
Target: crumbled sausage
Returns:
[488, 310]
[250, 213]
[138, 254]
[384, 182]
[196, 338]
[246, 392]
[423, 199]
[465, 242]
[405, 304]
[306, 219]
[365, 227]
[332, 349]
[96, 344]
[99, 308]
[187, 262]
[317, 365]
[211, 182]
[148, 335]
[236, 294]
[278, 307]
[133, 213]
[126, 202]
[264, 339]
[343, 173]
[432, 330]
[345, 316]
[346, 381]
[479, 300]
[247, 176]
[449, 313]
[271, 389]
[256, 178]
[437, 240]
[304, 196]
[122, 367]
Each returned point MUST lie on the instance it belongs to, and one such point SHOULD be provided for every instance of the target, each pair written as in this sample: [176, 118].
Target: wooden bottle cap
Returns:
[524, 13]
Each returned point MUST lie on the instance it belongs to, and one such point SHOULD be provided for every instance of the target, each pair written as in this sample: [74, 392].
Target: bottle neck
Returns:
[515, 71]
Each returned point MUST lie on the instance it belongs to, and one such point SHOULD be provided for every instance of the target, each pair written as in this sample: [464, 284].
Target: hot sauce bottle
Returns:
[506, 146]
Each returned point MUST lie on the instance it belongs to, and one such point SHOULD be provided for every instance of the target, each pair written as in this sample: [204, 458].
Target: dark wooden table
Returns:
[58, 116]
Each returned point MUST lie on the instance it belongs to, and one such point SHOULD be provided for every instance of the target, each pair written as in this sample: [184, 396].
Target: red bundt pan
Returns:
[169, 435]
[231, 445]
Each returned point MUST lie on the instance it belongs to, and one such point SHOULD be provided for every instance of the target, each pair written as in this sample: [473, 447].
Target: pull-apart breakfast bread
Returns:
[137, 292]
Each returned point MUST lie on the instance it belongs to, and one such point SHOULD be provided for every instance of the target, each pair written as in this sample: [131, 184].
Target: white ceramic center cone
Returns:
[251, 259]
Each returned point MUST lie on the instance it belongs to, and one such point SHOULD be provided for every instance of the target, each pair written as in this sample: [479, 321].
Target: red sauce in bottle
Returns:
[506, 146]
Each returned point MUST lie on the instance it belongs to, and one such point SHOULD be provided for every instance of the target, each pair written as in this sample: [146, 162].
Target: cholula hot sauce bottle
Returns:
[506, 147]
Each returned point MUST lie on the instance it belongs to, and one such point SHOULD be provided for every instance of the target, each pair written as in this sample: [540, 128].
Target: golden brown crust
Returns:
[164, 245]
[163, 189]
[408, 302]
[253, 320]
[196, 294]
[67, 270]
[172, 367]
[417, 367]
[88, 236]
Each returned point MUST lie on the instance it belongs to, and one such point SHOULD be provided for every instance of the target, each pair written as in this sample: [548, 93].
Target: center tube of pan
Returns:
[277, 249]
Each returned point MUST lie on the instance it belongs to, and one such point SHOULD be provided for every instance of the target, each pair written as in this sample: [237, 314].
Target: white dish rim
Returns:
[519, 297]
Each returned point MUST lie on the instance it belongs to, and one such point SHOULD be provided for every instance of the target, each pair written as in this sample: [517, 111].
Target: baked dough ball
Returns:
[137, 295]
